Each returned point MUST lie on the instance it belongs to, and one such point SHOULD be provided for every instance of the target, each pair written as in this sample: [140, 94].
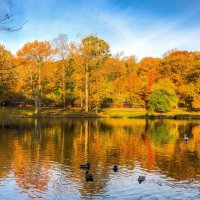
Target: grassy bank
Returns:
[10, 112]
[142, 113]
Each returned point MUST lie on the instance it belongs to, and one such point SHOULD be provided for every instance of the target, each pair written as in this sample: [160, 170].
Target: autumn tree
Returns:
[133, 90]
[37, 53]
[176, 66]
[196, 96]
[182, 67]
[61, 46]
[147, 71]
[86, 75]
[79, 78]
[116, 73]
[6, 72]
[94, 52]
[99, 89]
[193, 80]
[130, 64]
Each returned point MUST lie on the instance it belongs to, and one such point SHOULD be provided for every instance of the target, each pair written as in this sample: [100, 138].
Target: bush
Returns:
[162, 101]
[106, 103]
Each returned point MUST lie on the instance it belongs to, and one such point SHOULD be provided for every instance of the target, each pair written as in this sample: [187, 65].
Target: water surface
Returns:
[40, 159]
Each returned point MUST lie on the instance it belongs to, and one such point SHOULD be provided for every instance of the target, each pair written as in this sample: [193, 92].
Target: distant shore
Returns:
[19, 112]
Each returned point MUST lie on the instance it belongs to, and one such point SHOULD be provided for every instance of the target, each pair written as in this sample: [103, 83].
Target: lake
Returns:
[40, 159]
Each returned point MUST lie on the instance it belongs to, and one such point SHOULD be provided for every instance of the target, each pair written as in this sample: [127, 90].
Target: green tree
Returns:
[163, 101]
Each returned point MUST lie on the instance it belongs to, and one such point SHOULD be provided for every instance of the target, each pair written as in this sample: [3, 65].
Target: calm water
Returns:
[40, 159]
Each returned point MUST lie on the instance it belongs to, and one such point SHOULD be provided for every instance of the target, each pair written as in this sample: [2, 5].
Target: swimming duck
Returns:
[88, 177]
[141, 179]
[85, 166]
[115, 168]
[185, 138]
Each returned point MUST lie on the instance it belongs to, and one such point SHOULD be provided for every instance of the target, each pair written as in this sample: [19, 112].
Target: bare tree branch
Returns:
[7, 17]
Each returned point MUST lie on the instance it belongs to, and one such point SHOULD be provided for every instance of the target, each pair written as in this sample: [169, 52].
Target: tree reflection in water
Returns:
[41, 158]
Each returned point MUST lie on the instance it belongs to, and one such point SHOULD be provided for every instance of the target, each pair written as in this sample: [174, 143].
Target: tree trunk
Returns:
[96, 109]
[87, 89]
[39, 88]
[63, 80]
[81, 101]
[34, 96]
[36, 105]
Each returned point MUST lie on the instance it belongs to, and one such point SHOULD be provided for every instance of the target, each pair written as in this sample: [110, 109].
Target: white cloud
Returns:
[153, 40]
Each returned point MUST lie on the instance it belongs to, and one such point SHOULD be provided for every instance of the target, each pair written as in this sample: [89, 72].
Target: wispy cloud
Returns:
[125, 29]
[156, 38]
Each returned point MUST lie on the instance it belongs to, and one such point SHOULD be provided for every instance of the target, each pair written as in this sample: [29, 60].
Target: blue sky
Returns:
[136, 27]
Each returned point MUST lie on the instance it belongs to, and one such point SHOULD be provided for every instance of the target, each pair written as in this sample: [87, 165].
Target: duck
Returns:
[115, 168]
[185, 138]
[88, 177]
[141, 179]
[85, 166]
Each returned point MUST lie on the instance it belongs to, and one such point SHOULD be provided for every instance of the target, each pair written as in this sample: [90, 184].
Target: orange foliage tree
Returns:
[36, 53]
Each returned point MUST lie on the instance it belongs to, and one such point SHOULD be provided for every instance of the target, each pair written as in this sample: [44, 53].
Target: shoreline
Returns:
[53, 113]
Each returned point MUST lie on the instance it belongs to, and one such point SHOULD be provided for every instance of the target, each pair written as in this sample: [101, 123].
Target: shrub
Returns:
[162, 101]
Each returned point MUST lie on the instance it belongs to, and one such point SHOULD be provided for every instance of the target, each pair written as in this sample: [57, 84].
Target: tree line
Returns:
[86, 75]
